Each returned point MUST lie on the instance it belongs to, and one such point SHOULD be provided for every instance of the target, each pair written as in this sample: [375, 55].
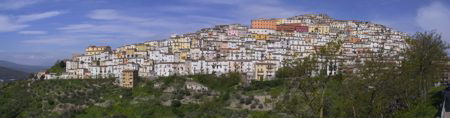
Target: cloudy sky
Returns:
[39, 32]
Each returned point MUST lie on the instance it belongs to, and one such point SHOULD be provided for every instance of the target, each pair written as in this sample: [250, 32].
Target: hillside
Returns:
[224, 96]
[164, 97]
[6, 74]
[380, 88]
[20, 67]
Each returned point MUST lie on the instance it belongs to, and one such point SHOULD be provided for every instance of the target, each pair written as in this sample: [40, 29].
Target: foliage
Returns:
[221, 83]
[58, 68]
[425, 59]
[381, 88]
[264, 85]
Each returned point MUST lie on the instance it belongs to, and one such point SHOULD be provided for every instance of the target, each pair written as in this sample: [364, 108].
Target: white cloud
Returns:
[9, 25]
[435, 16]
[110, 14]
[114, 22]
[38, 16]
[59, 40]
[237, 2]
[180, 9]
[76, 27]
[32, 32]
[53, 41]
[239, 11]
[15, 23]
[267, 11]
[100, 35]
[245, 10]
[118, 29]
[130, 30]
[16, 4]
[108, 27]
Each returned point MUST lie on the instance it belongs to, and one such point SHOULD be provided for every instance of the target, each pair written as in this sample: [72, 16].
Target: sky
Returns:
[39, 32]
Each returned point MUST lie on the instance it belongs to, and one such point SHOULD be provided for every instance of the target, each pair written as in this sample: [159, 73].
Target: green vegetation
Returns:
[383, 87]
[58, 68]
[223, 83]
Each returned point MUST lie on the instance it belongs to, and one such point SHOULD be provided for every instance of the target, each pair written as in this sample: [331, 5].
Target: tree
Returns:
[309, 80]
[387, 84]
[424, 60]
[59, 67]
[31, 76]
[372, 90]
[175, 103]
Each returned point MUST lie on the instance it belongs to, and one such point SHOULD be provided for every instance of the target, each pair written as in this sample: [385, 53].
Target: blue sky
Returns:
[39, 32]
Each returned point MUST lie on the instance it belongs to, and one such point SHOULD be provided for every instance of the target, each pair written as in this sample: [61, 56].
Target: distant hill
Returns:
[7, 74]
[20, 67]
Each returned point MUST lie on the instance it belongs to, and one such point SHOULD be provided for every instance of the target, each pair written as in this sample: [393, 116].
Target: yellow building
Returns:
[130, 51]
[195, 43]
[152, 43]
[264, 71]
[120, 55]
[128, 78]
[179, 43]
[183, 55]
[321, 29]
[260, 36]
[281, 21]
[141, 47]
[94, 50]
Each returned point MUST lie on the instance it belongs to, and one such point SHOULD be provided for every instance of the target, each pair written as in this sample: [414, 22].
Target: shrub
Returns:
[248, 101]
[175, 103]
[253, 106]
[260, 106]
[241, 100]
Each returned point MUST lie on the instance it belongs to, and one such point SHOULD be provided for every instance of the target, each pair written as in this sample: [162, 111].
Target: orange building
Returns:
[264, 24]
[261, 36]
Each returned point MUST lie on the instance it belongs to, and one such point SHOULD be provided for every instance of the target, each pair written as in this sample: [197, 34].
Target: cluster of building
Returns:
[256, 51]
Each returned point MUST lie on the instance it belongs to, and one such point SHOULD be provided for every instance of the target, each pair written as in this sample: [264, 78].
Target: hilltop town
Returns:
[224, 59]
[256, 51]
[303, 66]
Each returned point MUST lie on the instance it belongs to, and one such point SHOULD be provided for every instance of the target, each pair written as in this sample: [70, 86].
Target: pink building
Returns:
[233, 32]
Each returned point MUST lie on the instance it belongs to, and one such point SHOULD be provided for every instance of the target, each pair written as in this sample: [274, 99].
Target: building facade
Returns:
[256, 52]
[128, 78]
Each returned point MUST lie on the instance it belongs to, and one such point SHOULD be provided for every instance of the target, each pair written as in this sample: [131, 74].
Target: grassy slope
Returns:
[100, 98]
